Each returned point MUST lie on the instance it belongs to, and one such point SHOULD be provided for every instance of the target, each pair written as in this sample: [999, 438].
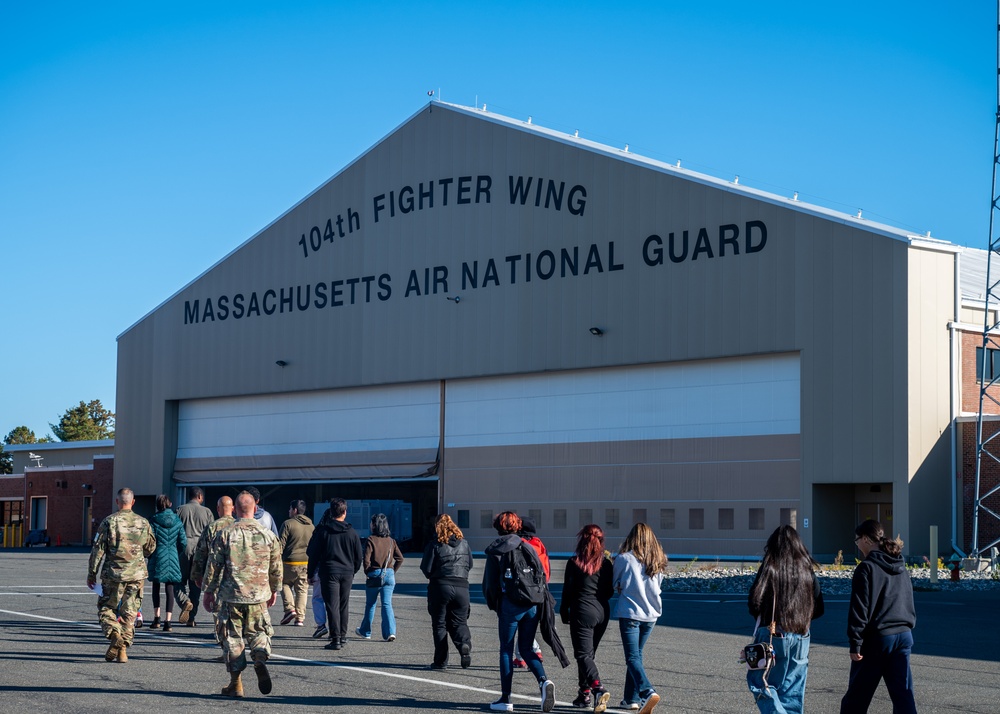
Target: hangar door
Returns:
[333, 435]
[707, 452]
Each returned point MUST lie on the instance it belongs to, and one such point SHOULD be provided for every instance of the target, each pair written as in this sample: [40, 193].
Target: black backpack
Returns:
[520, 581]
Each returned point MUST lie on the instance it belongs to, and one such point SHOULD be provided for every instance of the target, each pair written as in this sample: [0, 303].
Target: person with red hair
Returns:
[587, 589]
[515, 620]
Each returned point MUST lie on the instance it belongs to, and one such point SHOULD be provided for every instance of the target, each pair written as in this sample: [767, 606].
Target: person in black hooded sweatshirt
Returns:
[335, 551]
[879, 624]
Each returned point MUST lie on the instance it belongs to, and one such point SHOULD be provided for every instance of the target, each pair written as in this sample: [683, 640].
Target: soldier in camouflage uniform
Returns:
[124, 540]
[224, 507]
[244, 573]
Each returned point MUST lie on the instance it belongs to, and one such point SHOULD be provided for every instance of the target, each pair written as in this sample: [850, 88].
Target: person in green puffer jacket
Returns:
[165, 563]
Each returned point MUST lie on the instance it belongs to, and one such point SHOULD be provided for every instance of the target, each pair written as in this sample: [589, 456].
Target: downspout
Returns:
[954, 392]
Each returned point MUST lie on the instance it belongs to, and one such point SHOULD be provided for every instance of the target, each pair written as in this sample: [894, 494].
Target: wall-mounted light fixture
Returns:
[457, 299]
[596, 331]
[281, 363]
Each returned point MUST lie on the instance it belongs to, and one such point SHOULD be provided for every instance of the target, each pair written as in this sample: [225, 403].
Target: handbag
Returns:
[760, 655]
[377, 581]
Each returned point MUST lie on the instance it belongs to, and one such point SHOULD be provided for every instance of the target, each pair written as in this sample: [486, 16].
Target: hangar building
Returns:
[479, 314]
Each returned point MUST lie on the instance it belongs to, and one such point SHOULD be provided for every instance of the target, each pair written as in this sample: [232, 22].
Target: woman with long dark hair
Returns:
[638, 574]
[784, 594]
[880, 623]
[446, 564]
[587, 588]
[381, 561]
[165, 562]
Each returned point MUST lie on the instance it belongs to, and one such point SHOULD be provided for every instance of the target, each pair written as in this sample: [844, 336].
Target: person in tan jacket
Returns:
[382, 559]
[294, 539]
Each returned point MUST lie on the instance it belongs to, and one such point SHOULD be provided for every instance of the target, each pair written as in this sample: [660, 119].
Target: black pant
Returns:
[336, 589]
[169, 588]
[187, 590]
[586, 628]
[448, 606]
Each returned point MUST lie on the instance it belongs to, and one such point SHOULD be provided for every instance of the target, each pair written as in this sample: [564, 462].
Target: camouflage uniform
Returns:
[124, 540]
[200, 559]
[242, 571]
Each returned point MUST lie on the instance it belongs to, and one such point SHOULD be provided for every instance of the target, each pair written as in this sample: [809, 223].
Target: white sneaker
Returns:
[548, 691]
[631, 706]
[390, 638]
[357, 631]
[647, 704]
[501, 706]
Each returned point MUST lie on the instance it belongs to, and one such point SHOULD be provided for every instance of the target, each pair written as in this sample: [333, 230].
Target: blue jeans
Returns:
[786, 680]
[319, 607]
[371, 595]
[634, 636]
[522, 623]
[887, 658]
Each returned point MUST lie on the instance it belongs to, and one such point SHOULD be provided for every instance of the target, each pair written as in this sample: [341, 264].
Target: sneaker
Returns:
[465, 650]
[520, 663]
[390, 638]
[320, 632]
[357, 631]
[501, 706]
[583, 699]
[332, 645]
[648, 703]
[192, 623]
[186, 612]
[631, 706]
[138, 620]
[548, 691]
[601, 697]
[300, 624]
[439, 665]
[539, 655]
[289, 616]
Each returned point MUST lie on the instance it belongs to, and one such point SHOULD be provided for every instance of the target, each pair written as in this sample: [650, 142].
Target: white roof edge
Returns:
[61, 445]
[773, 198]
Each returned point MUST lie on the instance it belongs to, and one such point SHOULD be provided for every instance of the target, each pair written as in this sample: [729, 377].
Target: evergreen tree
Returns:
[85, 422]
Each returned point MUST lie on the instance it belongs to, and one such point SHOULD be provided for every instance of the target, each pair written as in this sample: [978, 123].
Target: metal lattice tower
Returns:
[988, 450]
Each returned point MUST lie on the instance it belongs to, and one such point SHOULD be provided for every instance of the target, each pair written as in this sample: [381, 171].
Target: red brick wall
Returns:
[65, 502]
[970, 387]
[12, 487]
[989, 527]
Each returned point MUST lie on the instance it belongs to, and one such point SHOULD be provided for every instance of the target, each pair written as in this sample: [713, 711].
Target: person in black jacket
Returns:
[880, 623]
[514, 620]
[446, 564]
[335, 552]
[587, 589]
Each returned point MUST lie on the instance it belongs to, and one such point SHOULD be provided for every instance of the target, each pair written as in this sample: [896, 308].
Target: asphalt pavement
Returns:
[52, 655]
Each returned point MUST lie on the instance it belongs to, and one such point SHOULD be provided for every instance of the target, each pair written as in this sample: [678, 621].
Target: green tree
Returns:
[20, 435]
[6, 461]
[85, 422]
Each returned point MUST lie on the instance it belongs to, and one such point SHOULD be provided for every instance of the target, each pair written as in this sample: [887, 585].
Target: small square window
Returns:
[638, 515]
[535, 514]
[727, 519]
[559, 518]
[463, 518]
[696, 519]
[486, 519]
[586, 516]
[790, 517]
[611, 519]
[756, 519]
[668, 519]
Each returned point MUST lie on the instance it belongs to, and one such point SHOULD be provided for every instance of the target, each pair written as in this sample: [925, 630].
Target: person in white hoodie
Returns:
[638, 573]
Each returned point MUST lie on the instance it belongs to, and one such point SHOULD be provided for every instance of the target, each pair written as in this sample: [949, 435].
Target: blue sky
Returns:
[142, 142]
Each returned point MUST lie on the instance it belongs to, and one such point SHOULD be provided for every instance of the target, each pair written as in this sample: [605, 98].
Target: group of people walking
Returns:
[241, 563]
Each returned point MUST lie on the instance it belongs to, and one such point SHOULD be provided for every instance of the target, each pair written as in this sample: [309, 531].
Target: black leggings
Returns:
[169, 587]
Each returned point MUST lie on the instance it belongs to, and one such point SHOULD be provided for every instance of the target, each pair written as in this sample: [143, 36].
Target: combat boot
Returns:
[235, 688]
[117, 644]
[263, 676]
[122, 656]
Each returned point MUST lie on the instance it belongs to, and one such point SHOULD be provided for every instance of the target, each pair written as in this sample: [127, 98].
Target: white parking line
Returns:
[302, 660]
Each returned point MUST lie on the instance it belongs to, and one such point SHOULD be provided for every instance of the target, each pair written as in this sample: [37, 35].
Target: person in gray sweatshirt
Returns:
[638, 574]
